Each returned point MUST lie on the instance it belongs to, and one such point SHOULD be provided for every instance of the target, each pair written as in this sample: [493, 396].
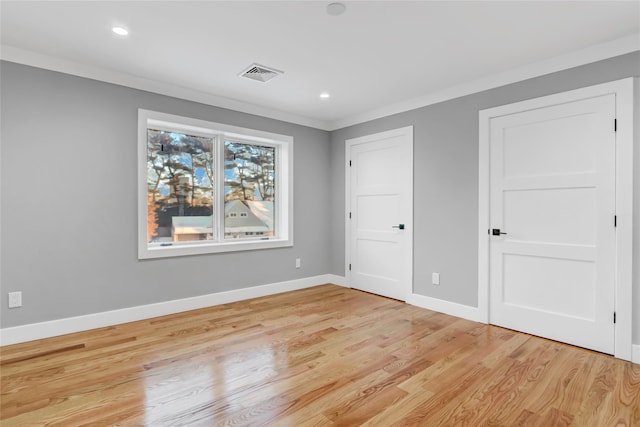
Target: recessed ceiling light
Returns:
[335, 9]
[121, 31]
[325, 95]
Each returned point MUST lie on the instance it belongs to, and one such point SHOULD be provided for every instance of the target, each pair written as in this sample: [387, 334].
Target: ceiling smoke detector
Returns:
[335, 9]
[260, 73]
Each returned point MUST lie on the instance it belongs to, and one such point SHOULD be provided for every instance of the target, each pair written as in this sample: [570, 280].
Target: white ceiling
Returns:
[379, 57]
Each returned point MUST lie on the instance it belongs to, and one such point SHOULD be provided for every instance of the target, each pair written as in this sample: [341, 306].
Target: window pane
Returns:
[179, 187]
[249, 190]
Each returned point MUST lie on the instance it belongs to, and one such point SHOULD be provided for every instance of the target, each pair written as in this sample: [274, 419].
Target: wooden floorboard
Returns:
[316, 357]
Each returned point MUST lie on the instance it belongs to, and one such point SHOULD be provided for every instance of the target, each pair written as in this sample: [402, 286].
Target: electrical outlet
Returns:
[435, 278]
[297, 262]
[15, 299]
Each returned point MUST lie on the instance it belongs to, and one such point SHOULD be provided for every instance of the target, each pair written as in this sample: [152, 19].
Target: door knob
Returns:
[496, 232]
[400, 226]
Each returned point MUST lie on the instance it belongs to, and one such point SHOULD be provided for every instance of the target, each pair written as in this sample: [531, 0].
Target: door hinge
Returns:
[615, 125]
[349, 215]
[614, 317]
[349, 163]
[349, 267]
[615, 220]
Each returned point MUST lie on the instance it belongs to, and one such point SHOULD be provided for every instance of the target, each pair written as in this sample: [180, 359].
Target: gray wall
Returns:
[446, 178]
[69, 202]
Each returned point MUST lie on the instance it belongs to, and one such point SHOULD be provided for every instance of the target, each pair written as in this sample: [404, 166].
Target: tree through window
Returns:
[249, 189]
[180, 191]
[205, 191]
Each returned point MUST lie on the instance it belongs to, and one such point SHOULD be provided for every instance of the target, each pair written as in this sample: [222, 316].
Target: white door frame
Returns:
[347, 195]
[624, 93]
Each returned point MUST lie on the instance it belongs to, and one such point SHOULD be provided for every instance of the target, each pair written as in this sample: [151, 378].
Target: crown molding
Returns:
[576, 58]
[33, 59]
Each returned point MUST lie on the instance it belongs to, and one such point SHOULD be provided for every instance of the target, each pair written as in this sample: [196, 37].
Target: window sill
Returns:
[211, 248]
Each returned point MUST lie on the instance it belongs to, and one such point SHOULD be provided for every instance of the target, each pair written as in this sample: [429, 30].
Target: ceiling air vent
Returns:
[260, 73]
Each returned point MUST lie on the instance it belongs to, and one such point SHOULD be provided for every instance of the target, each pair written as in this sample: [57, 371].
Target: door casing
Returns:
[624, 94]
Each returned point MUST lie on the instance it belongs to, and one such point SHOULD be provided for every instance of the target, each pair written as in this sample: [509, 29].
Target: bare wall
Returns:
[68, 165]
[446, 178]
[69, 202]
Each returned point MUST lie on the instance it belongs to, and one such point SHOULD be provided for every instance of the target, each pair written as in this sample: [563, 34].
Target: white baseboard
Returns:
[474, 314]
[70, 325]
[635, 353]
[337, 280]
[447, 307]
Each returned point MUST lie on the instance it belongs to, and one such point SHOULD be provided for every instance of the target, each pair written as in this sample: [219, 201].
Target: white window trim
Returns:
[284, 185]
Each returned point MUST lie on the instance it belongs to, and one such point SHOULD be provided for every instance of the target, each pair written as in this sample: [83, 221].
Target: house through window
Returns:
[209, 187]
[249, 189]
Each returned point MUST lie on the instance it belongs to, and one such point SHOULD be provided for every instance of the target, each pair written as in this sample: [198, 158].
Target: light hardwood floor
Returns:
[320, 356]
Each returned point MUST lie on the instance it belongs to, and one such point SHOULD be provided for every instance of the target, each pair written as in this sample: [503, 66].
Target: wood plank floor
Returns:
[320, 356]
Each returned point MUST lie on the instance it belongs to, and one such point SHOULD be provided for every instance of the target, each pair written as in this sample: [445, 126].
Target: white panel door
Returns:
[552, 192]
[380, 213]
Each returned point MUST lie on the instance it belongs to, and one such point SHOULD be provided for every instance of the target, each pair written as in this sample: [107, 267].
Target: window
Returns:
[206, 187]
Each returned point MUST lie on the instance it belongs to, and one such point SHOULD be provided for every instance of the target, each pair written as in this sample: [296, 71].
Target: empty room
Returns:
[318, 213]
